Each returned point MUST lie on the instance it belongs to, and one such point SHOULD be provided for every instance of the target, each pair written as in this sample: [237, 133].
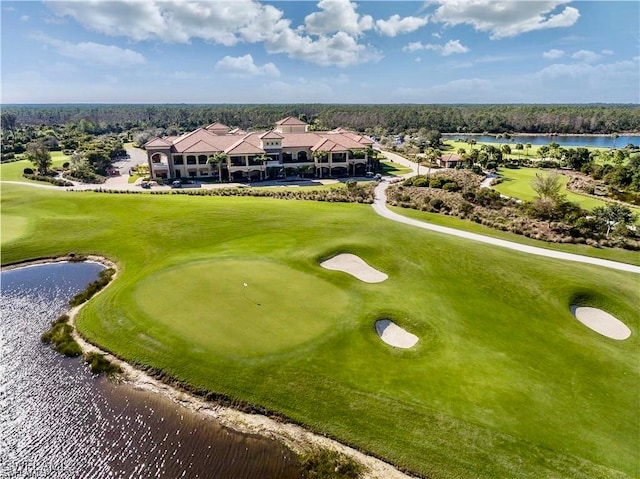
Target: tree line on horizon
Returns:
[377, 120]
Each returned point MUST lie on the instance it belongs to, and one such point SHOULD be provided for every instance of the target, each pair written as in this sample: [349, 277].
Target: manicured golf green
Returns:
[504, 381]
[242, 308]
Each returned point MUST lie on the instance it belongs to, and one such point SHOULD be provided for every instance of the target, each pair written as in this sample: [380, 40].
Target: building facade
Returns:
[289, 149]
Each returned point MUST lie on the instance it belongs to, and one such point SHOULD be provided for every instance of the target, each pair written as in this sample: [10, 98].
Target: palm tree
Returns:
[615, 135]
[262, 159]
[519, 147]
[321, 156]
[218, 159]
[528, 147]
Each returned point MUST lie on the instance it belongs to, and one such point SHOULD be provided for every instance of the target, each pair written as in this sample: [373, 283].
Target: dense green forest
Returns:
[372, 119]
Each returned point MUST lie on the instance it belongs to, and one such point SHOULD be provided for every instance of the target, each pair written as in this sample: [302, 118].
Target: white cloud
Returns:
[505, 18]
[341, 49]
[24, 18]
[245, 67]
[94, 53]
[230, 23]
[449, 48]
[396, 25]
[615, 82]
[337, 16]
[553, 54]
[586, 56]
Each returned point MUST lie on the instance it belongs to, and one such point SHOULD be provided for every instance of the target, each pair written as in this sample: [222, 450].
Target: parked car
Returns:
[176, 184]
[146, 185]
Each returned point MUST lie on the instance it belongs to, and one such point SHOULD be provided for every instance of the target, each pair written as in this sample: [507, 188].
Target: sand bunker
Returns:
[355, 266]
[601, 322]
[394, 335]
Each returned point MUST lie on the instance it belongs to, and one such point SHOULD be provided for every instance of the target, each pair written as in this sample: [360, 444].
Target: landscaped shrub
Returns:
[325, 464]
[27, 171]
[104, 278]
[48, 179]
[420, 181]
[436, 182]
[59, 336]
[98, 364]
[451, 186]
[436, 204]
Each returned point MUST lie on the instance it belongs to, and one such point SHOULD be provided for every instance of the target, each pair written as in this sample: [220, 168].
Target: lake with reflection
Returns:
[572, 141]
[57, 420]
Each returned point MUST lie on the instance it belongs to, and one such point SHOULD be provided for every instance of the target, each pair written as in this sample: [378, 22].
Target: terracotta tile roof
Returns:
[217, 126]
[271, 135]
[290, 120]
[208, 142]
[157, 143]
[344, 141]
[245, 146]
[202, 147]
[203, 140]
[363, 140]
[327, 145]
[299, 140]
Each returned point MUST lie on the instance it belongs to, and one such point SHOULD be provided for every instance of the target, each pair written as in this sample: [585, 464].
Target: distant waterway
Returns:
[602, 141]
[57, 420]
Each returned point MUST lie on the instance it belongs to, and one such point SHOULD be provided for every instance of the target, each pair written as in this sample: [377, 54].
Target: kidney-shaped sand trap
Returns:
[355, 266]
[394, 335]
[601, 322]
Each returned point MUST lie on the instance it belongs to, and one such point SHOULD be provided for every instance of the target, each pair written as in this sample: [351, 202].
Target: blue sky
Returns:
[327, 51]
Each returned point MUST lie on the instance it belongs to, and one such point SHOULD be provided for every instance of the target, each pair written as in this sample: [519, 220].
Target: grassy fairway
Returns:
[503, 383]
[517, 184]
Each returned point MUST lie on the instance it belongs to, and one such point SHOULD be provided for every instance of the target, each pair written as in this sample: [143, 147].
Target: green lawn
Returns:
[13, 171]
[390, 168]
[517, 184]
[503, 383]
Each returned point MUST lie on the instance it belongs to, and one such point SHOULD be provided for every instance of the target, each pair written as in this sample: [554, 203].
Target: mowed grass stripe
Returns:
[505, 384]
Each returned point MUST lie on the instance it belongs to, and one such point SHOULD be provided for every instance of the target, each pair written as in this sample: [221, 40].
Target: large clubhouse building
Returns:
[289, 149]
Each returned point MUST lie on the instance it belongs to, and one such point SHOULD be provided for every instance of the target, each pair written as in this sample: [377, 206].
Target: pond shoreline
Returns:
[293, 436]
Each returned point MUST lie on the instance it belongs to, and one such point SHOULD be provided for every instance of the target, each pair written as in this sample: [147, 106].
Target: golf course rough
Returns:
[241, 308]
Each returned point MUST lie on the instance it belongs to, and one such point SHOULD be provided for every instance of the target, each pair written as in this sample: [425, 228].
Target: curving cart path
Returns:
[380, 207]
